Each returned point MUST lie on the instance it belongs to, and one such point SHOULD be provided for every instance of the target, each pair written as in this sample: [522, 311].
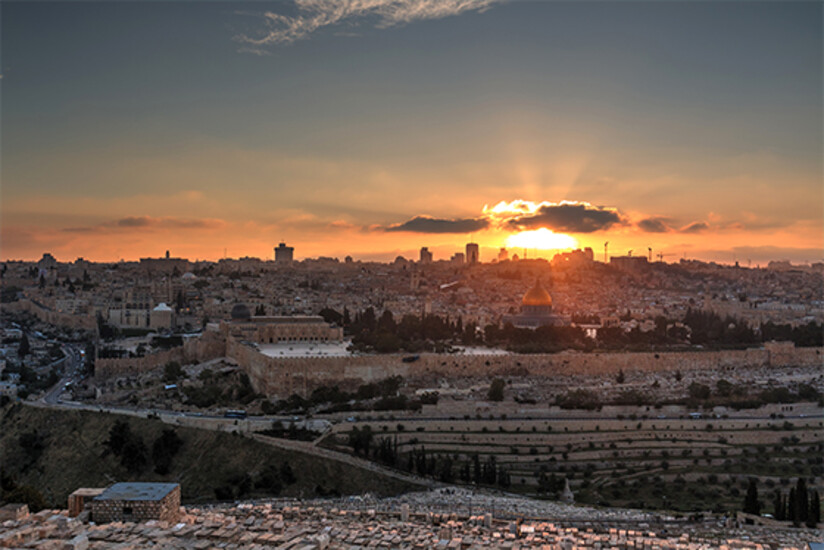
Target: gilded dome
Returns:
[537, 296]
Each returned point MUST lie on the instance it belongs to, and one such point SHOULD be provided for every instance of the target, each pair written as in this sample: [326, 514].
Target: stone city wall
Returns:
[197, 350]
[46, 315]
[285, 376]
[282, 377]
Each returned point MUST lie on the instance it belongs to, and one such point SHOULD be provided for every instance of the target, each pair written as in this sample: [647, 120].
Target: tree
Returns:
[164, 449]
[778, 506]
[792, 507]
[25, 346]
[699, 391]
[286, 474]
[751, 503]
[361, 440]
[802, 504]
[814, 513]
[496, 390]
[119, 434]
[172, 372]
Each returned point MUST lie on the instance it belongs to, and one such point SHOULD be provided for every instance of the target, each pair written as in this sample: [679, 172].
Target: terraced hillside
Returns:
[642, 459]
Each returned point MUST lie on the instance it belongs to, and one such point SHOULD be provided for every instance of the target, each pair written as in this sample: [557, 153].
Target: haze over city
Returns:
[374, 128]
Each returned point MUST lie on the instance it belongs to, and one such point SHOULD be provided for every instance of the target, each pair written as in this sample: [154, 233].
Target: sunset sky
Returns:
[375, 127]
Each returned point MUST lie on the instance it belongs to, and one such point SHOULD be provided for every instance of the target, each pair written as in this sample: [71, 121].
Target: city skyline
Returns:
[372, 129]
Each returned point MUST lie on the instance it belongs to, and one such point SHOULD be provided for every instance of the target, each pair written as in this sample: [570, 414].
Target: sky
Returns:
[372, 128]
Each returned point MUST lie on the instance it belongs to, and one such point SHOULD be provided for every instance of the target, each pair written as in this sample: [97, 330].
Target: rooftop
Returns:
[137, 491]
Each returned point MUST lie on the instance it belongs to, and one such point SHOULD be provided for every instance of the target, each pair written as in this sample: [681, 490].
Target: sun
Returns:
[541, 239]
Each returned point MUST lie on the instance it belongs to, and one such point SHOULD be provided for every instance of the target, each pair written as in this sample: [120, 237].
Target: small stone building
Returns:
[137, 502]
[14, 512]
[80, 498]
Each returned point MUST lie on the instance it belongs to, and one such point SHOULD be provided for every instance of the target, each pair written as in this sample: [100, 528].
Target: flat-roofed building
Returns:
[284, 254]
[265, 329]
[80, 498]
[137, 502]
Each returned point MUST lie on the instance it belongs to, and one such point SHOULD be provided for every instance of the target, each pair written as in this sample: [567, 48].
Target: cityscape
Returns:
[406, 274]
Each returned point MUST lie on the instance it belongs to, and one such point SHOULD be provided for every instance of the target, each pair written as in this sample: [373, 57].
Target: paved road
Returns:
[72, 372]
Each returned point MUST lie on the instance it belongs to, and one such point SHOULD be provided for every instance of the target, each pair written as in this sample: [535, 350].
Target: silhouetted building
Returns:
[426, 256]
[284, 254]
[167, 264]
[629, 263]
[47, 261]
[503, 255]
[472, 253]
[457, 258]
[575, 258]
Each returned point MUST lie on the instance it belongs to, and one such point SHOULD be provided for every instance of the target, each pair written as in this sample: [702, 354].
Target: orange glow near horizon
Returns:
[541, 239]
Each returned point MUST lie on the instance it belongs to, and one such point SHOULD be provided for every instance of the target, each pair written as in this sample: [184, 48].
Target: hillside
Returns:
[58, 451]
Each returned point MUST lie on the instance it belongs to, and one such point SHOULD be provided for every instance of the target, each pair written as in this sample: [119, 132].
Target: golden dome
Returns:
[537, 296]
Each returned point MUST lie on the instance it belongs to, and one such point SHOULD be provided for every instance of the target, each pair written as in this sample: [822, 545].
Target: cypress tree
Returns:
[802, 505]
[814, 512]
[25, 346]
[751, 504]
[792, 507]
[778, 505]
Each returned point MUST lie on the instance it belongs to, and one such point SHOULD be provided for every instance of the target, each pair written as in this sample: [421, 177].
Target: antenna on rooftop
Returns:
[606, 246]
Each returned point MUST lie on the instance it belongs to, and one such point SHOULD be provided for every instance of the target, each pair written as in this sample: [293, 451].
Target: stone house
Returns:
[137, 502]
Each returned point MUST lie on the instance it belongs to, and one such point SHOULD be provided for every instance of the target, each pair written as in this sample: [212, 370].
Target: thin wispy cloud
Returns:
[313, 15]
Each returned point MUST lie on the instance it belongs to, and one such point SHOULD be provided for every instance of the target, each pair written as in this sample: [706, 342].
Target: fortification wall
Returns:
[282, 377]
[57, 318]
[207, 347]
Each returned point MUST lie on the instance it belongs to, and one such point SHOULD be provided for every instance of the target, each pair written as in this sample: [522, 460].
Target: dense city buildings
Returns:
[565, 373]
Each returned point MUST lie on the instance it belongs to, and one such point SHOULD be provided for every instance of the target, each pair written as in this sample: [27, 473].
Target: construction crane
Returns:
[661, 256]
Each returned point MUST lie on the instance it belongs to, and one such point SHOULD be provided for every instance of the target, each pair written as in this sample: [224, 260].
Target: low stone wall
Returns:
[208, 346]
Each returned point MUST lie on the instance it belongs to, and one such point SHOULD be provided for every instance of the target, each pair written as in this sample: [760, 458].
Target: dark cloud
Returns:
[423, 224]
[570, 217]
[141, 221]
[695, 227]
[147, 222]
[78, 229]
[654, 225]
